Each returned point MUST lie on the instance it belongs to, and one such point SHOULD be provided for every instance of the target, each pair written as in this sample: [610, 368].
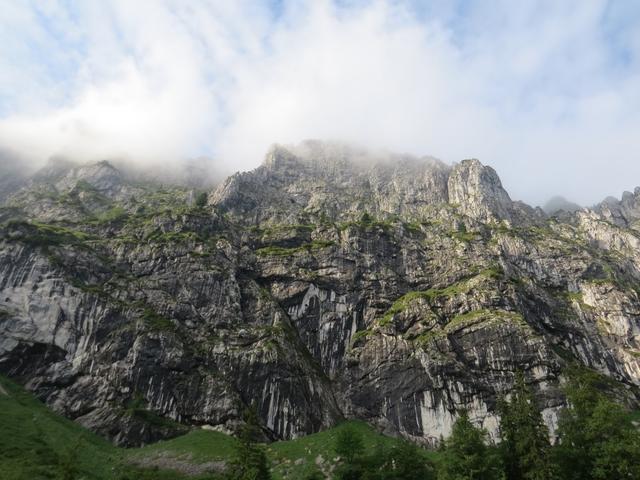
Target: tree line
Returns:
[595, 440]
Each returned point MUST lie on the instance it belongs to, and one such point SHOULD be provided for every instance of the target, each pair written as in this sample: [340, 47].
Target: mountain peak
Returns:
[102, 176]
[341, 182]
[479, 192]
[558, 203]
[624, 212]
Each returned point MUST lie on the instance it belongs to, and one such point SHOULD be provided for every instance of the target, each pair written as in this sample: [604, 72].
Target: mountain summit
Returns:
[328, 283]
[339, 183]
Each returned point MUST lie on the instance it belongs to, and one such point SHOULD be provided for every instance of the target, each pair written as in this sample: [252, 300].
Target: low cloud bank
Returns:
[545, 92]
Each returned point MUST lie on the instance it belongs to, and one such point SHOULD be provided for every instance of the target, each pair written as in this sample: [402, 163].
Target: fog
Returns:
[545, 92]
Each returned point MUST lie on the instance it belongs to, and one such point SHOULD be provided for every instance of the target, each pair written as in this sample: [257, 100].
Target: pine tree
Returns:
[404, 462]
[596, 438]
[466, 456]
[250, 461]
[525, 438]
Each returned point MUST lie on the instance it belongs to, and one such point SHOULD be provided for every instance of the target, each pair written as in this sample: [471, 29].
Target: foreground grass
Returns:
[294, 458]
[37, 444]
[199, 446]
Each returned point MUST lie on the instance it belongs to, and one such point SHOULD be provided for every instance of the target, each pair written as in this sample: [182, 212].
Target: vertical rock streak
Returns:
[326, 283]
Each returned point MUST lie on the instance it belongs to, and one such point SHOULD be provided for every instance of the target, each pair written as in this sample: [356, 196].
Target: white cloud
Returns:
[536, 91]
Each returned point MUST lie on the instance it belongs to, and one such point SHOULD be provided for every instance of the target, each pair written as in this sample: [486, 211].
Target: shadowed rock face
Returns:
[327, 283]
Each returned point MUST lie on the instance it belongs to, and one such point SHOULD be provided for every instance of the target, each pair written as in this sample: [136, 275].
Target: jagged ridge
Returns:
[327, 283]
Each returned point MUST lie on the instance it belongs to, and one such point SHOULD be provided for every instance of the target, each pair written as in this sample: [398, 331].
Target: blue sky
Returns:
[547, 92]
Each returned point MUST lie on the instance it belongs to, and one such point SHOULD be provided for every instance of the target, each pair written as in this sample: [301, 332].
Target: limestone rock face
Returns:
[478, 191]
[327, 283]
[625, 212]
[337, 184]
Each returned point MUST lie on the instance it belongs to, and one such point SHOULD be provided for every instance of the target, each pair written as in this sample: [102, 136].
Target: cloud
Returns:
[546, 92]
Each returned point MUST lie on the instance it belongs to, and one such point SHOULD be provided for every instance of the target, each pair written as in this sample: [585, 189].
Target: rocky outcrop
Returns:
[314, 185]
[327, 283]
[478, 192]
[624, 212]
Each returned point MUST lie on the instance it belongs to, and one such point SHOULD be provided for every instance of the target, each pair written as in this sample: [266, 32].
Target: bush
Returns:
[349, 444]
[201, 200]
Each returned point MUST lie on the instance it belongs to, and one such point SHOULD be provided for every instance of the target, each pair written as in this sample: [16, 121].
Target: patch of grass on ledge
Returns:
[43, 234]
[483, 315]
[157, 322]
[114, 214]
[462, 286]
[360, 335]
[463, 235]
[403, 303]
[284, 227]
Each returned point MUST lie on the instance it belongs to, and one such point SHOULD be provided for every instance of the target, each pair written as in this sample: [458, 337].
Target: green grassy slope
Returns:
[198, 445]
[293, 458]
[36, 443]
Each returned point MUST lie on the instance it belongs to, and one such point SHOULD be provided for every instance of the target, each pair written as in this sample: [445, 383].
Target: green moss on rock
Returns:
[44, 235]
[156, 322]
[483, 315]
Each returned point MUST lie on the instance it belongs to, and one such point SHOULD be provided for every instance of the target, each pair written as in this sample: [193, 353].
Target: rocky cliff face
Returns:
[327, 283]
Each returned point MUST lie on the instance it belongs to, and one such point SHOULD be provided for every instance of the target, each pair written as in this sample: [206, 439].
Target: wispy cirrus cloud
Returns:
[546, 92]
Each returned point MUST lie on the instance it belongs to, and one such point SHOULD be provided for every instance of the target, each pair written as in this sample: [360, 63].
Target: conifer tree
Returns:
[596, 437]
[525, 438]
[404, 462]
[466, 456]
[250, 462]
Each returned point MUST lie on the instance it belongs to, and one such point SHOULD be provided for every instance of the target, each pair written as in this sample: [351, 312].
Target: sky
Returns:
[546, 92]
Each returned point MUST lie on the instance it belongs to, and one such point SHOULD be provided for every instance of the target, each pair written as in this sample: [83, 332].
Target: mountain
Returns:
[328, 283]
[11, 176]
[559, 204]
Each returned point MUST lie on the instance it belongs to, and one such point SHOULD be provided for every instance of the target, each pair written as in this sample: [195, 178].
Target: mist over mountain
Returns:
[319, 239]
[328, 283]
[559, 203]
[159, 83]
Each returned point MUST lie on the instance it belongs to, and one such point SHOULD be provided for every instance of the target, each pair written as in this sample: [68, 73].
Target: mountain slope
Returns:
[327, 283]
[36, 443]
